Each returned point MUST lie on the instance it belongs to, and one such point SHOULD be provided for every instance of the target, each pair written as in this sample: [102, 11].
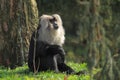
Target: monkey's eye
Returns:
[52, 20]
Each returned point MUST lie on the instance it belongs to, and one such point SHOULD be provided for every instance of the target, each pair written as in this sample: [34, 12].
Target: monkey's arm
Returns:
[31, 51]
[41, 48]
[55, 49]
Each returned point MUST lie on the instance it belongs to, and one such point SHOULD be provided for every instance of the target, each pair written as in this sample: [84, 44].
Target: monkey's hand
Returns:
[58, 51]
[55, 49]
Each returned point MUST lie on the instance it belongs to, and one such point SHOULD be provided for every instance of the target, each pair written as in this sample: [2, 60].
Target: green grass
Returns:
[22, 73]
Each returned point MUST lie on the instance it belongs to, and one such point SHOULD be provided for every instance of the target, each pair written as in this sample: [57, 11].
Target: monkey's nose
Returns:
[55, 26]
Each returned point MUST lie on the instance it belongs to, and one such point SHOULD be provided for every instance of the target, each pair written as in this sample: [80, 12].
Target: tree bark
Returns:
[99, 53]
[18, 19]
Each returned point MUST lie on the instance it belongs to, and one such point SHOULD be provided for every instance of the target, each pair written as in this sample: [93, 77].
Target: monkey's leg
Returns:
[55, 63]
[64, 68]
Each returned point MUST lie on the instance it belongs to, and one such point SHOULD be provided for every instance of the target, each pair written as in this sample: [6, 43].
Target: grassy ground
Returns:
[22, 73]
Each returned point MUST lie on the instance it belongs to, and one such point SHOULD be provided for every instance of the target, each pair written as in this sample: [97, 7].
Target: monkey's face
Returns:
[53, 23]
[48, 22]
[51, 29]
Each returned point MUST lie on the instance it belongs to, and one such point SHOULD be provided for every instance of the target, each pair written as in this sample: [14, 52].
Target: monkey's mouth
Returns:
[53, 27]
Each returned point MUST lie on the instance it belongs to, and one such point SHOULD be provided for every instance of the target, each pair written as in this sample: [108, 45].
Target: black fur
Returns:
[47, 57]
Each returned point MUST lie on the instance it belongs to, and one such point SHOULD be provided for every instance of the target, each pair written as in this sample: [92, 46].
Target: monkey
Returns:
[47, 45]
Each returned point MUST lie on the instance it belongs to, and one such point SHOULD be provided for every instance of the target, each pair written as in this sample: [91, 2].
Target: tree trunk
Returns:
[99, 53]
[18, 18]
